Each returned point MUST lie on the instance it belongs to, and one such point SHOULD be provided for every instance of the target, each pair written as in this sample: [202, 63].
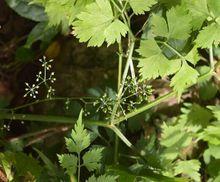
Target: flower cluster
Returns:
[133, 95]
[44, 77]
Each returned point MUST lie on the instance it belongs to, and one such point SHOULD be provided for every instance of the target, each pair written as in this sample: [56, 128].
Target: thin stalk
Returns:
[116, 6]
[142, 28]
[49, 100]
[120, 59]
[211, 58]
[132, 71]
[79, 166]
[116, 149]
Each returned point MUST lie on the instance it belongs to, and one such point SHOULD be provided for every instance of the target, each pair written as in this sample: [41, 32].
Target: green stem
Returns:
[121, 136]
[50, 119]
[48, 100]
[145, 107]
[116, 149]
[211, 58]
[119, 84]
[79, 166]
[120, 64]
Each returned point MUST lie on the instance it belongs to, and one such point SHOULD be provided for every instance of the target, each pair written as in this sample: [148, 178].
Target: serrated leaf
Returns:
[195, 115]
[179, 23]
[199, 11]
[103, 28]
[214, 150]
[174, 135]
[214, 7]
[184, 78]
[211, 134]
[189, 168]
[159, 26]
[208, 35]
[154, 63]
[92, 159]
[68, 162]
[140, 6]
[193, 56]
[80, 138]
[216, 111]
[177, 26]
[62, 12]
[25, 163]
[102, 178]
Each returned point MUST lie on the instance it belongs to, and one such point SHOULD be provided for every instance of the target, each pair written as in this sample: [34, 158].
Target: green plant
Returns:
[79, 141]
[178, 43]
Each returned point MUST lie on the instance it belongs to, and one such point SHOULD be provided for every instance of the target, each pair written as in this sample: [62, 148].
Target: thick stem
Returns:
[50, 119]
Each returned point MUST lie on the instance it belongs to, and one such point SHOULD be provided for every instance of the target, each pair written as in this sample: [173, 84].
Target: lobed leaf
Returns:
[189, 168]
[80, 138]
[97, 24]
[91, 159]
[154, 63]
[184, 78]
[140, 6]
[68, 162]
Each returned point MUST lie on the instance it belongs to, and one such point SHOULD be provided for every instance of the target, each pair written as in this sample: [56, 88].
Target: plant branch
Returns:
[115, 108]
